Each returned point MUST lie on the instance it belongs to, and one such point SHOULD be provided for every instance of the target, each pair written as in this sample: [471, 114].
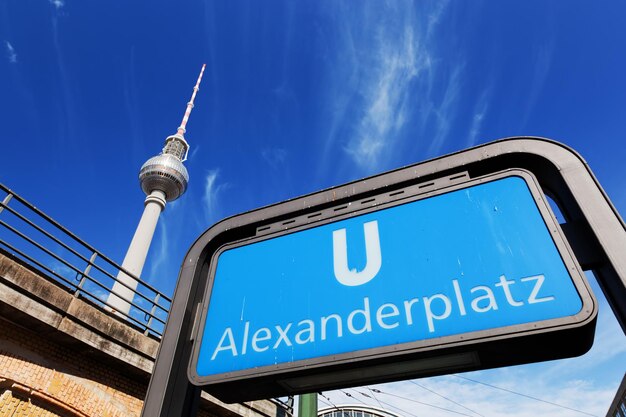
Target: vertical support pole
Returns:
[6, 201]
[85, 273]
[307, 405]
[155, 303]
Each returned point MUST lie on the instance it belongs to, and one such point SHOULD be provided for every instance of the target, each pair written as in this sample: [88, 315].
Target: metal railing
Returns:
[30, 235]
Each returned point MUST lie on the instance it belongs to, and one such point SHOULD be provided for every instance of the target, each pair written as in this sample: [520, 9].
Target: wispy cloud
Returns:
[57, 3]
[385, 92]
[62, 269]
[488, 400]
[480, 111]
[444, 112]
[389, 89]
[433, 397]
[11, 55]
[131, 106]
[274, 156]
[67, 114]
[608, 347]
[212, 191]
[541, 69]
[160, 254]
[194, 152]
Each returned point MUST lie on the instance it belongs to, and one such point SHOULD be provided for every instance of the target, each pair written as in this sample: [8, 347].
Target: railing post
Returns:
[30, 215]
[6, 201]
[154, 307]
[85, 272]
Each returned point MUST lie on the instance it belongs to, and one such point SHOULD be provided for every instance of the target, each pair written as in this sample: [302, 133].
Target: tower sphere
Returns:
[166, 173]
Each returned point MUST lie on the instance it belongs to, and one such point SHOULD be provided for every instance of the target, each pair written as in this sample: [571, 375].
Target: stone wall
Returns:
[33, 367]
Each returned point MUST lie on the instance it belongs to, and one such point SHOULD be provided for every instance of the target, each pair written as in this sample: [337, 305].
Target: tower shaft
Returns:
[123, 290]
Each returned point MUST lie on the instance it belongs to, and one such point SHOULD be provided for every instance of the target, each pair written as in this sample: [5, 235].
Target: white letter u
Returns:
[351, 277]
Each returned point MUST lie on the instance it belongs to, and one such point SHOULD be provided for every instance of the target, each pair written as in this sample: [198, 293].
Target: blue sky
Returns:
[301, 96]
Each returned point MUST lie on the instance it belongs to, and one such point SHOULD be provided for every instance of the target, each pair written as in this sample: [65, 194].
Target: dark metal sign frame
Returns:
[404, 360]
[593, 229]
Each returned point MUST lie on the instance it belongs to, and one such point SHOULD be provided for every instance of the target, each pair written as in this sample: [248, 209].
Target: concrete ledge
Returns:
[48, 302]
[112, 327]
[33, 301]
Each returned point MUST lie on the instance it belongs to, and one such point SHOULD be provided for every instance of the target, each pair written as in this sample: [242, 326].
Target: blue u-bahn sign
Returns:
[431, 279]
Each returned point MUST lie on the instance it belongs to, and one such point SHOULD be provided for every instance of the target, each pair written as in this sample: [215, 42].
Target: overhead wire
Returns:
[420, 402]
[375, 390]
[327, 403]
[321, 394]
[370, 390]
[343, 413]
[381, 402]
[525, 395]
[403, 411]
[446, 398]
[374, 397]
[347, 394]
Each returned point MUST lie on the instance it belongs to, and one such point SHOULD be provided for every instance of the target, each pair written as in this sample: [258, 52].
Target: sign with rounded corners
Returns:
[418, 281]
[594, 231]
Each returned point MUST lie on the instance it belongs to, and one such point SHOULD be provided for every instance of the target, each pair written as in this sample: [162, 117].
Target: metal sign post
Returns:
[596, 237]
[307, 405]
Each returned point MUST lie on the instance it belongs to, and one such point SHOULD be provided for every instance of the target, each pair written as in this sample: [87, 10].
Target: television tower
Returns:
[163, 178]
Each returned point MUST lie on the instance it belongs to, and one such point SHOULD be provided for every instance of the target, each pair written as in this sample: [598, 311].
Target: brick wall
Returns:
[39, 378]
[65, 378]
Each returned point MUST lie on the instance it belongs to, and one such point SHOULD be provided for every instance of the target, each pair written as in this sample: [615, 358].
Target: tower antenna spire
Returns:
[183, 124]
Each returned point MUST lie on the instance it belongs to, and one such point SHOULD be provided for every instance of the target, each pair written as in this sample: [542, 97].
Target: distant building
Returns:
[355, 410]
[618, 406]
